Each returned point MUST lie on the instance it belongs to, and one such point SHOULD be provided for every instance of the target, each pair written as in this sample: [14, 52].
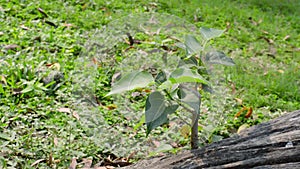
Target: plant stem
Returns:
[194, 131]
[195, 118]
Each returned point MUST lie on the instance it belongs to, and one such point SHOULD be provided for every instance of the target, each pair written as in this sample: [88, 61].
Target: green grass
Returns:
[263, 38]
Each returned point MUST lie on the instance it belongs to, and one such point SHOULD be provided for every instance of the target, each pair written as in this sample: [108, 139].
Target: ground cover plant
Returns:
[40, 43]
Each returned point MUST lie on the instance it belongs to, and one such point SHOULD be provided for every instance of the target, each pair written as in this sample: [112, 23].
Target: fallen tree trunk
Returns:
[275, 144]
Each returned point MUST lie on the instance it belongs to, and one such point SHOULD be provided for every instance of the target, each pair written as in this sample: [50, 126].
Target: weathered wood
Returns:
[274, 144]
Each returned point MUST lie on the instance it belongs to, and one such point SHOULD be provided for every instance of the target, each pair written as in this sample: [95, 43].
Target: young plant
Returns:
[177, 90]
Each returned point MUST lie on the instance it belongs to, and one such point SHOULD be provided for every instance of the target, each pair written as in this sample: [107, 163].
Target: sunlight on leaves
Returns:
[131, 81]
[183, 75]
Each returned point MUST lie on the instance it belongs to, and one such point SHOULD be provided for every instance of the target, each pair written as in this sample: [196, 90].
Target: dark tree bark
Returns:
[274, 144]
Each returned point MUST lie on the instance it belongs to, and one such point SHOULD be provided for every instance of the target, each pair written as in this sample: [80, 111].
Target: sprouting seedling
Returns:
[178, 88]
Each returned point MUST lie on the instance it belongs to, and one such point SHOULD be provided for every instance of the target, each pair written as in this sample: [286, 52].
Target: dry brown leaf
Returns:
[242, 127]
[156, 143]
[115, 77]
[270, 41]
[53, 66]
[111, 107]
[249, 112]
[55, 141]
[240, 112]
[50, 159]
[233, 89]
[68, 25]
[75, 115]
[57, 161]
[172, 123]
[37, 162]
[3, 79]
[87, 162]
[64, 110]
[42, 12]
[286, 37]
[174, 145]
[12, 46]
[228, 26]
[147, 91]
[131, 155]
[239, 101]
[73, 163]
[24, 27]
[265, 32]
[67, 110]
[96, 62]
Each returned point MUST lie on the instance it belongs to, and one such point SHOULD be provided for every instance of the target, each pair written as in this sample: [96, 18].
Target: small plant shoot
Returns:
[179, 88]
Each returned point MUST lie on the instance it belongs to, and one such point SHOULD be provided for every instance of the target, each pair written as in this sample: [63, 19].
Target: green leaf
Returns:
[183, 75]
[161, 77]
[188, 62]
[141, 122]
[216, 57]
[155, 111]
[190, 97]
[192, 45]
[27, 89]
[210, 33]
[5, 137]
[180, 45]
[40, 86]
[171, 109]
[167, 85]
[131, 81]
[1, 88]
